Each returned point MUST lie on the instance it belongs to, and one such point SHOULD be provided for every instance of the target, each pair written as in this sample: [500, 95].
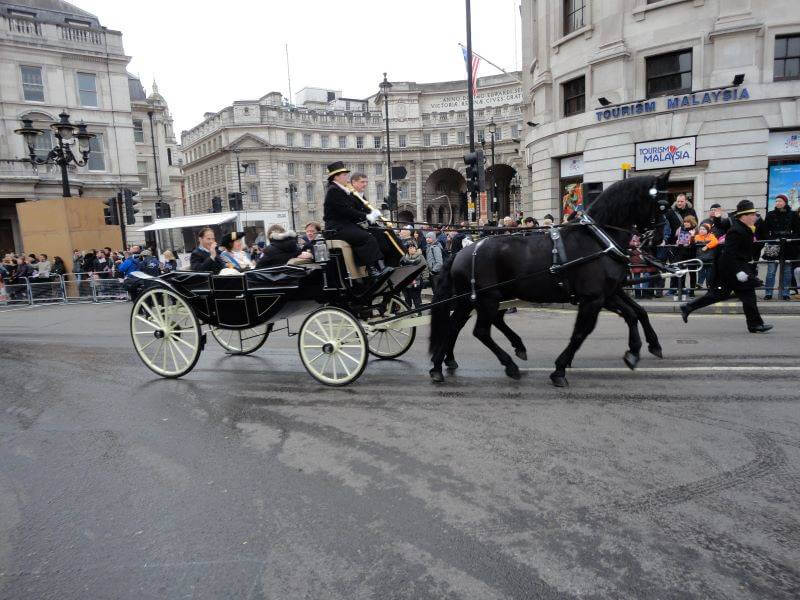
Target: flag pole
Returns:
[470, 106]
[501, 69]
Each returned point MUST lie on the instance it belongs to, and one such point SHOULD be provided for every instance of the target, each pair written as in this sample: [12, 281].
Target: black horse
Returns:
[508, 267]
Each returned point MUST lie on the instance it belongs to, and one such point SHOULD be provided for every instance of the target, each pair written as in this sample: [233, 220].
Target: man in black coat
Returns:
[205, 256]
[734, 272]
[343, 212]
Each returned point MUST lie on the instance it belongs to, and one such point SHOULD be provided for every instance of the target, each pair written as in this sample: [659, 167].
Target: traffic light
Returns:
[235, 201]
[131, 206]
[216, 204]
[392, 198]
[476, 174]
[163, 211]
[111, 211]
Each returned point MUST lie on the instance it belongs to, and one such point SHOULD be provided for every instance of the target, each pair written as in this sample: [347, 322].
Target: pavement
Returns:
[246, 479]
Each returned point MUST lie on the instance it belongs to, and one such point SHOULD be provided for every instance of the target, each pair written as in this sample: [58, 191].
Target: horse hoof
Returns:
[656, 351]
[451, 364]
[558, 379]
[513, 372]
[436, 376]
[631, 360]
[521, 354]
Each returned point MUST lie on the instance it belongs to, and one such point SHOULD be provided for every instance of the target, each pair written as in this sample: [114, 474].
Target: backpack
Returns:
[151, 266]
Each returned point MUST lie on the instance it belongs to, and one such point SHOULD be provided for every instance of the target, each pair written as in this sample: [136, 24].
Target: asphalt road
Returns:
[246, 479]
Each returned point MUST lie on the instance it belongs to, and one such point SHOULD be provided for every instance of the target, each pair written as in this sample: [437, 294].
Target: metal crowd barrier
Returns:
[61, 289]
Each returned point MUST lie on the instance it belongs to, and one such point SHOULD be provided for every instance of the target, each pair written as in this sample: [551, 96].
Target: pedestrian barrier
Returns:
[61, 289]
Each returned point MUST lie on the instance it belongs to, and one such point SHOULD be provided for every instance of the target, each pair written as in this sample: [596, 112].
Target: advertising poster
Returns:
[784, 179]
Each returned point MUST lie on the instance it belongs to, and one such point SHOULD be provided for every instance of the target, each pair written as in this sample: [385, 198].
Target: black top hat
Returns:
[744, 207]
[336, 168]
[228, 239]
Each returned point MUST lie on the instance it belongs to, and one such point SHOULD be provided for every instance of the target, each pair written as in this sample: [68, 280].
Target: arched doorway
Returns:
[443, 196]
[503, 176]
[405, 216]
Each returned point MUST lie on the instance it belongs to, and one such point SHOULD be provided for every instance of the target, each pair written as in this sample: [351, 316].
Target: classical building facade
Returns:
[708, 88]
[282, 148]
[54, 57]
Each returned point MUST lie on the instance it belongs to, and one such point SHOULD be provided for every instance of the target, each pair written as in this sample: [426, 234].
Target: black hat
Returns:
[336, 168]
[228, 239]
[744, 207]
[715, 205]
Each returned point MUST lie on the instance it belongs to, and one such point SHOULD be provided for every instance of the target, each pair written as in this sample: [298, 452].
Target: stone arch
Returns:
[442, 195]
[504, 174]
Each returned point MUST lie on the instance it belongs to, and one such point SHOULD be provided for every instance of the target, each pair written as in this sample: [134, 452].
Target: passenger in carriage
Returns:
[282, 248]
[232, 251]
[344, 214]
[205, 257]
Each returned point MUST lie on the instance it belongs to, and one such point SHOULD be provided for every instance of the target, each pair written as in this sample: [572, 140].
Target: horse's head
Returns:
[655, 211]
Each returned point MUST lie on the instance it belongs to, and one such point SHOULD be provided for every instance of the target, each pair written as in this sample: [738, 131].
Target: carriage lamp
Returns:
[61, 154]
[320, 249]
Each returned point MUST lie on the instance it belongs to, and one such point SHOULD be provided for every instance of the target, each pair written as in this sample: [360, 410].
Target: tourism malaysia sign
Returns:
[634, 109]
[665, 154]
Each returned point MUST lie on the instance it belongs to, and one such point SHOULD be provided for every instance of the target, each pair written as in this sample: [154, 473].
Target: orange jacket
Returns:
[709, 240]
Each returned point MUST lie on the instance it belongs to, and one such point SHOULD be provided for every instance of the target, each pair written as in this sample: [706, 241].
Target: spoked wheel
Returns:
[333, 346]
[166, 333]
[241, 341]
[392, 341]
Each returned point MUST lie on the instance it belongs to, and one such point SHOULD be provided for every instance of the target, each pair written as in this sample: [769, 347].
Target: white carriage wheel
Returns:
[241, 341]
[332, 346]
[166, 333]
[392, 341]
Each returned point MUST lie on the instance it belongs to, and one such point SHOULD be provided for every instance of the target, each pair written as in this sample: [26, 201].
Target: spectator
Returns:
[43, 267]
[307, 241]
[456, 241]
[781, 222]
[419, 240]
[413, 292]
[101, 265]
[282, 248]
[705, 243]
[683, 207]
[530, 222]
[22, 274]
[719, 223]
[434, 258]
[88, 262]
[149, 264]
[170, 264]
[684, 250]
[58, 268]
[508, 222]
[405, 237]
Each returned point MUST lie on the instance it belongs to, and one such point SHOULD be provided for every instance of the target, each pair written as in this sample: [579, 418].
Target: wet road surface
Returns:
[246, 479]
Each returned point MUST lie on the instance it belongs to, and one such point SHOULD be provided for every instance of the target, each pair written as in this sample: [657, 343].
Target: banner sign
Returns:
[664, 154]
[784, 143]
[641, 107]
[572, 166]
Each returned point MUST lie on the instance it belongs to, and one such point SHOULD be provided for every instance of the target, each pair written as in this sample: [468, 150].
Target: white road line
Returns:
[671, 370]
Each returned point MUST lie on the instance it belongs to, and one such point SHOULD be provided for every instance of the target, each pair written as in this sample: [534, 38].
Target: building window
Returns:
[290, 168]
[376, 141]
[443, 139]
[141, 168]
[359, 141]
[426, 139]
[462, 137]
[307, 169]
[138, 131]
[378, 168]
[289, 138]
[252, 192]
[32, 84]
[480, 136]
[342, 141]
[96, 160]
[515, 131]
[401, 141]
[379, 190]
[43, 144]
[169, 156]
[498, 133]
[87, 89]
[574, 96]
[787, 57]
[306, 140]
[325, 141]
[573, 15]
[361, 168]
[669, 73]
[402, 191]
[376, 120]
[310, 194]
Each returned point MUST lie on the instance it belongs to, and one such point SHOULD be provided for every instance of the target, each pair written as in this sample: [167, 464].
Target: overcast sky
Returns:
[204, 55]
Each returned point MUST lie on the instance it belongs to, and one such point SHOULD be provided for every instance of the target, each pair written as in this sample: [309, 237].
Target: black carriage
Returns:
[173, 315]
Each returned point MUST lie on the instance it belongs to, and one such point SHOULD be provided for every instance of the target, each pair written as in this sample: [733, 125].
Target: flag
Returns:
[475, 62]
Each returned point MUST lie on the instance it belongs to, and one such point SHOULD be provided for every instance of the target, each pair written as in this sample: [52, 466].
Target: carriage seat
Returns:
[356, 271]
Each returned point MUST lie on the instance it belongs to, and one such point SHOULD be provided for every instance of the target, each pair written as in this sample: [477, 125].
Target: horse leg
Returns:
[584, 325]
[458, 320]
[511, 335]
[487, 308]
[616, 304]
[653, 345]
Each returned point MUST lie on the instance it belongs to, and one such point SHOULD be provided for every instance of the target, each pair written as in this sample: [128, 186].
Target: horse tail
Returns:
[440, 313]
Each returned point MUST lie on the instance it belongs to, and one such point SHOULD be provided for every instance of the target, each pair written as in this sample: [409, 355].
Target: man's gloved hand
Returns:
[374, 216]
[742, 276]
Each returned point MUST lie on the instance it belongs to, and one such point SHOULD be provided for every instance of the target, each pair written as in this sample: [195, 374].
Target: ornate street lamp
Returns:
[385, 87]
[62, 154]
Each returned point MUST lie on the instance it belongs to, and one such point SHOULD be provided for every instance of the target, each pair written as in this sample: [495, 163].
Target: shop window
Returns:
[787, 57]
[669, 73]
[574, 96]
[573, 15]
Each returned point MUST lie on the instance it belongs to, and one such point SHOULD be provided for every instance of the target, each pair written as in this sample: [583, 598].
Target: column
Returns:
[419, 182]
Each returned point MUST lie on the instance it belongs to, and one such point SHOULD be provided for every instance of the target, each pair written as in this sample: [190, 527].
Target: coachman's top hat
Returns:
[336, 168]
[228, 239]
[744, 207]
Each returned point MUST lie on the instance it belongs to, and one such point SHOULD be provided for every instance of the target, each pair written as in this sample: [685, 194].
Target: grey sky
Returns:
[204, 55]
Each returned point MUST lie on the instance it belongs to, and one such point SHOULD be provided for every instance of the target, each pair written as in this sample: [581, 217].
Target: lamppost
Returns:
[492, 130]
[61, 154]
[238, 168]
[292, 190]
[385, 87]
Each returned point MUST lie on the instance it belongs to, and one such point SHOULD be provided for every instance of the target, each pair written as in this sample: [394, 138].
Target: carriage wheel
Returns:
[333, 346]
[392, 341]
[166, 333]
[241, 341]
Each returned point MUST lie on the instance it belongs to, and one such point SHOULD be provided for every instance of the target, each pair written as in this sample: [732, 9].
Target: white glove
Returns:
[742, 276]
[374, 216]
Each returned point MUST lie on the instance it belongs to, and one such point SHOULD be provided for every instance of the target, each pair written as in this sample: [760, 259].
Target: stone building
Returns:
[282, 148]
[708, 88]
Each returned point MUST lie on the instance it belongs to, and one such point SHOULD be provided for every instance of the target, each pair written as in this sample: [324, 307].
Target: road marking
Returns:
[672, 370]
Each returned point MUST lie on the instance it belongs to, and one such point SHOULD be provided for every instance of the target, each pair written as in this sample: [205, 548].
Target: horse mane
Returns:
[621, 204]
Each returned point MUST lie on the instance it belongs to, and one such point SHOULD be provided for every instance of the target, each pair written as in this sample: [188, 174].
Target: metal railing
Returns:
[61, 289]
